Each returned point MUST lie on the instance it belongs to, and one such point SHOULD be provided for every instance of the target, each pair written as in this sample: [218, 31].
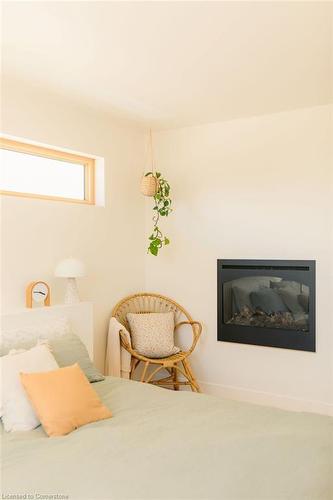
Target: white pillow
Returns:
[17, 412]
[26, 337]
[152, 334]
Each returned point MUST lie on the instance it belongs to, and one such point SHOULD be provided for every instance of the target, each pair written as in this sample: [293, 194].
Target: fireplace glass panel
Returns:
[266, 302]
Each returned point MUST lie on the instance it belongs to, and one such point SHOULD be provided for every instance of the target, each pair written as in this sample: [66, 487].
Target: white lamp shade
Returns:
[70, 268]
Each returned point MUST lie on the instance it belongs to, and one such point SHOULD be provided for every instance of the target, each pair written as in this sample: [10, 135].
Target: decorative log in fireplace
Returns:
[267, 302]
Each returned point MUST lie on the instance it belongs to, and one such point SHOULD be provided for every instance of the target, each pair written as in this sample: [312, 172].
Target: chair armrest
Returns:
[196, 331]
[125, 344]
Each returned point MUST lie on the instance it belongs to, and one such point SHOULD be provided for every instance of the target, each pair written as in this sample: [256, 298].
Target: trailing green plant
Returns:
[162, 208]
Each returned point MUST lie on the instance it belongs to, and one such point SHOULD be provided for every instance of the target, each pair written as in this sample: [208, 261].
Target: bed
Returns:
[162, 444]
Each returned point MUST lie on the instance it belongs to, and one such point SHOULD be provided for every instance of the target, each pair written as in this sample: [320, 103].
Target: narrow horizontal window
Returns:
[34, 171]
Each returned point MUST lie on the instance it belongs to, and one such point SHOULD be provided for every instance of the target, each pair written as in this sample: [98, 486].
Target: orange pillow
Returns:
[63, 399]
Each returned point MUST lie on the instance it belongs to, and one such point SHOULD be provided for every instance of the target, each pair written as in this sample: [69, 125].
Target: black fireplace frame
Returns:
[303, 271]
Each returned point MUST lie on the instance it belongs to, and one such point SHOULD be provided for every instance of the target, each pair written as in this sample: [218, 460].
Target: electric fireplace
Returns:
[267, 302]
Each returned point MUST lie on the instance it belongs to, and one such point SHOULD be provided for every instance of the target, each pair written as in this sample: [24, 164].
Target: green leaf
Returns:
[156, 241]
[158, 175]
[153, 249]
[166, 241]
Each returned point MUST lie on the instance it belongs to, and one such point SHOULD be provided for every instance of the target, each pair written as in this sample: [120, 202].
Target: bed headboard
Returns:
[80, 317]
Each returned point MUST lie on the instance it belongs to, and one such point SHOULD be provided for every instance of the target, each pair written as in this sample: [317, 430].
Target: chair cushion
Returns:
[152, 334]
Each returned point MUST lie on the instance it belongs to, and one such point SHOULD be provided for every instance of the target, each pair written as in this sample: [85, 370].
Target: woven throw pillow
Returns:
[152, 334]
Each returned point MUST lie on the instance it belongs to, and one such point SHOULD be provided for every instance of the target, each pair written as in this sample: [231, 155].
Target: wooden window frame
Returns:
[54, 154]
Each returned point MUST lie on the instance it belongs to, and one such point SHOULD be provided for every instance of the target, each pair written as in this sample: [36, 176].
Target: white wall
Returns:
[36, 234]
[250, 188]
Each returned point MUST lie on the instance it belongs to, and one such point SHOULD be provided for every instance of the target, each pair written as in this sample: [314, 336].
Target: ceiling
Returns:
[172, 64]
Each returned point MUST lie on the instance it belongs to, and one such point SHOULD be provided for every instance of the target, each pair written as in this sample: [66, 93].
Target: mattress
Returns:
[162, 444]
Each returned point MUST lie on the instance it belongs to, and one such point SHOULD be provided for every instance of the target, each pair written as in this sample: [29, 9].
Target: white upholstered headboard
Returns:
[80, 317]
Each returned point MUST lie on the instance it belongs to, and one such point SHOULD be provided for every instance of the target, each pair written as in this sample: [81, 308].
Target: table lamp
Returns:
[71, 269]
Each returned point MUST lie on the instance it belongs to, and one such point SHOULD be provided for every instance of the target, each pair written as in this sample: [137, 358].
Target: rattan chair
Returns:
[175, 364]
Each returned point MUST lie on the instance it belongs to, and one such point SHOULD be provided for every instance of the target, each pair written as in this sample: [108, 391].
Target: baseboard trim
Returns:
[267, 399]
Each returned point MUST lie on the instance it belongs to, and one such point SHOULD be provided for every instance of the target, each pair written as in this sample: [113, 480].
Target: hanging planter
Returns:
[154, 185]
[149, 184]
[149, 181]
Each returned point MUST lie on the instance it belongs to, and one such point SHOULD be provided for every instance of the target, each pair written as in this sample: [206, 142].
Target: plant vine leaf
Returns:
[161, 208]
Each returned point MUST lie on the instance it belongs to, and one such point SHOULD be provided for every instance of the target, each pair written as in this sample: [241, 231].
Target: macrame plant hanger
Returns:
[149, 182]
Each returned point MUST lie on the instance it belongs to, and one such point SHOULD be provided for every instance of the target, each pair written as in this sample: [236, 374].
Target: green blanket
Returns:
[174, 445]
